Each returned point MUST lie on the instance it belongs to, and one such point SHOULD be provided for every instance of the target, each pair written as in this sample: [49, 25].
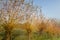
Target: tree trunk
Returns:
[29, 34]
[7, 35]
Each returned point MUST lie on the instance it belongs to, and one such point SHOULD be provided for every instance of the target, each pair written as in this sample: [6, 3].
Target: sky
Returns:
[50, 8]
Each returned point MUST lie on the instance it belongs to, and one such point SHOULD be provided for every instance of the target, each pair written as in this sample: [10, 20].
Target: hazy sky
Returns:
[50, 8]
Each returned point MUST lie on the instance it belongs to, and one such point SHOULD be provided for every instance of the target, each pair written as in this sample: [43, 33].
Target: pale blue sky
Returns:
[50, 8]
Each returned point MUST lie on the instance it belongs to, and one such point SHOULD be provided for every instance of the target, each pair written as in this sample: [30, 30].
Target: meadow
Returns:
[17, 35]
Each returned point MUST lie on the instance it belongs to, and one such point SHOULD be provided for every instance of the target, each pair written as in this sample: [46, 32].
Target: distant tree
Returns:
[52, 27]
[41, 24]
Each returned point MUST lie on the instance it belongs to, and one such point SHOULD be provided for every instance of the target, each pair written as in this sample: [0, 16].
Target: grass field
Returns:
[22, 35]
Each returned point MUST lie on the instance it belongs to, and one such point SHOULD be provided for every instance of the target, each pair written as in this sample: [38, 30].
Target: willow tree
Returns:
[10, 15]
